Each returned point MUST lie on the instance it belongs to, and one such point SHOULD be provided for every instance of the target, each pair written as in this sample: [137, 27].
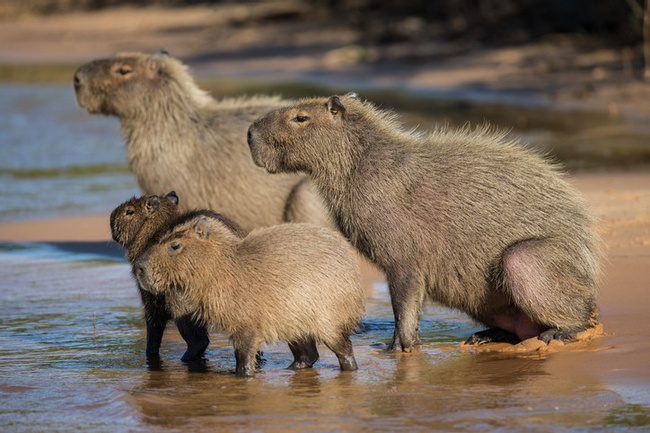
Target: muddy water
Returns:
[71, 358]
[72, 336]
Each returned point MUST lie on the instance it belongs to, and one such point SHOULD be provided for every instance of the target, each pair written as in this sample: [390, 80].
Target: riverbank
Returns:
[228, 40]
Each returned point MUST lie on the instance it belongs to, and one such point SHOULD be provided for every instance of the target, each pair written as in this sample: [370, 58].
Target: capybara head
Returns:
[143, 215]
[288, 139]
[126, 84]
[175, 261]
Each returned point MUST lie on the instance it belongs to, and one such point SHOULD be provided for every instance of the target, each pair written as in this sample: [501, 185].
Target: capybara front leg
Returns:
[305, 354]
[246, 350]
[406, 295]
[156, 317]
[195, 335]
[342, 348]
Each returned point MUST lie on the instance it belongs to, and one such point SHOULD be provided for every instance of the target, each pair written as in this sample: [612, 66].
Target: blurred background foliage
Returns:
[617, 22]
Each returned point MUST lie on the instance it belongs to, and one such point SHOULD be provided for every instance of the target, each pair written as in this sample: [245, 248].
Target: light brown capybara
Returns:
[465, 217]
[297, 283]
[178, 137]
[135, 225]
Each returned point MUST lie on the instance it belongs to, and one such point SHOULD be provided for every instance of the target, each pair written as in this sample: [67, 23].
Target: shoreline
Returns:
[559, 71]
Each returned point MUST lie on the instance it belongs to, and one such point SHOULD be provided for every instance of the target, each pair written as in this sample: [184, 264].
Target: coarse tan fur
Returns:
[135, 225]
[465, 217]
[297, 283]
[178, 137]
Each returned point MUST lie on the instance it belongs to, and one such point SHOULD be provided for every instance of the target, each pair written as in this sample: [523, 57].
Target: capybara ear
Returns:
[155, 63]
[152, 204]
[163, 51]
[202, 228]
[171, 196]
[352, 95]
[334, 106]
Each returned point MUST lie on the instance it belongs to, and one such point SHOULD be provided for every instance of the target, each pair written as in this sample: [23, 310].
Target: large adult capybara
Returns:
[180, 138]
[297, 283]
[135, 225]
[467, 217]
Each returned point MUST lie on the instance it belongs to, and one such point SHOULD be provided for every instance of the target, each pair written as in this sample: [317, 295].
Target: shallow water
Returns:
[71, 358]
[72, 336]
[56, 159]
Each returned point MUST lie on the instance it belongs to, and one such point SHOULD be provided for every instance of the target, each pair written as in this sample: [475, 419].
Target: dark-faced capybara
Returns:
[180, 138]
[467, 217]
[137, 223]
[297, 283]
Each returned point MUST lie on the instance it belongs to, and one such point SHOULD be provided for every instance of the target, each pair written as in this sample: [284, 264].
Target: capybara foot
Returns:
[403, 344]
[348, 363]
[305, 354]
[558, 334]
[259, 359]
[195, 351]
[492, 335]
[342, 348]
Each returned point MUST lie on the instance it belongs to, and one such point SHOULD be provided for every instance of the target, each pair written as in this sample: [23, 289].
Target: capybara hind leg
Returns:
[156, 317]
[195, 335]
[548, 287]
[342, 348]
[246, 350]
[305, 354]
[492, 335]
[406, 295]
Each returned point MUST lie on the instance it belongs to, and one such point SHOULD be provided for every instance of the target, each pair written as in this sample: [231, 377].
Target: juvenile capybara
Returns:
[297, 283]
[467, 217]
[136, 224]
[178, 137]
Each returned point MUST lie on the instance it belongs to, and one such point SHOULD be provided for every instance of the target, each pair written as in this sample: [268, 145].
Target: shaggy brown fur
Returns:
[135, 225]
[297, 283]
[178, 137]
[466, 217]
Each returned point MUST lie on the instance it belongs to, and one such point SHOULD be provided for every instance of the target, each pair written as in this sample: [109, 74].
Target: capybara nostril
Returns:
[249, 136]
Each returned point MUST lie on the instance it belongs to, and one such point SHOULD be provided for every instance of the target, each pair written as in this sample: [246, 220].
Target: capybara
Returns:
[137, 223]
[467, 217]
[178, 137]
[297, 283]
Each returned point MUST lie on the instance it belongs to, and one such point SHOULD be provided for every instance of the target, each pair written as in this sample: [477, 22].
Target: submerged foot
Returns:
[492, 335]
[558, 334]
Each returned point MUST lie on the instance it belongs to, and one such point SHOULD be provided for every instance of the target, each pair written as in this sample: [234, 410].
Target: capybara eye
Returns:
[124, 70]
[129, 212]
[301, 119]
[175, 246]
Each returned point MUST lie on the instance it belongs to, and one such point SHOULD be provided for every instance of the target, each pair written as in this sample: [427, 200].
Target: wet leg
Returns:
[406, 295]
[342, 348]
[305, 354]
[246, 348]
[156, 317]
[195, 335]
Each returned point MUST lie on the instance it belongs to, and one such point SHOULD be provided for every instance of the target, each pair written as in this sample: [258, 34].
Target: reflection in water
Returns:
[72, 358]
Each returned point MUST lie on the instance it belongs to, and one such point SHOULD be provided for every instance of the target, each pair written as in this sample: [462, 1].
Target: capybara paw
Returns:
[299, 365]
[557, 334]
[348, 363]
[492, 335]
[259, 359]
